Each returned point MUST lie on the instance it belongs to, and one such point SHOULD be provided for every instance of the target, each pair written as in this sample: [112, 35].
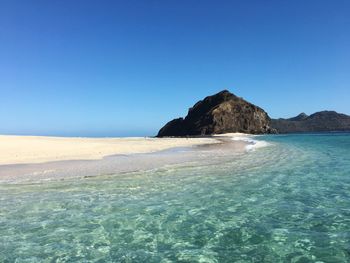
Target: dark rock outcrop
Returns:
[323, 121]
[219, 113]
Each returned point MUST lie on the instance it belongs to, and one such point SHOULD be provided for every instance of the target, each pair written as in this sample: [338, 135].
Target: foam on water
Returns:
[253, 144]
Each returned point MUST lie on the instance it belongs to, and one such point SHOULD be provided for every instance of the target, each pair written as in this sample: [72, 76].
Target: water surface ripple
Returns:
[287, 202]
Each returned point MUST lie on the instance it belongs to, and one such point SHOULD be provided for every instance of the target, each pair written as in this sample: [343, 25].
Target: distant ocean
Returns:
[286, 200]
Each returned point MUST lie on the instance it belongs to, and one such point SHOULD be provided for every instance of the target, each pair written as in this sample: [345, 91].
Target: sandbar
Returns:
[41, 149]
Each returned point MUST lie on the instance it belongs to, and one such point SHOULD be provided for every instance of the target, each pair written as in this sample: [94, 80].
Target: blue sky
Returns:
[118, 68]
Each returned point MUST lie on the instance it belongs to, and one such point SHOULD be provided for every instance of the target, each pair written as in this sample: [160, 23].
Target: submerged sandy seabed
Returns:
[24, 158]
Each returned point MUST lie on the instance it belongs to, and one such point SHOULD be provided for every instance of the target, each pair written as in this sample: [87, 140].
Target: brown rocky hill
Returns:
[323, 121]
[220, 113]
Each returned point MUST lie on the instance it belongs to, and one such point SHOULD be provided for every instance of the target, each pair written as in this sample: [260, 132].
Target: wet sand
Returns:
[194, 155]
[40, 149]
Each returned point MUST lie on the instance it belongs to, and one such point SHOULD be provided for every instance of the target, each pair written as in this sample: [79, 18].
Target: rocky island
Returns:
[223, 112]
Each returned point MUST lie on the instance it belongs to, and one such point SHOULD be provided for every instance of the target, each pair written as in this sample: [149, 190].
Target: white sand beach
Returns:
[40, 149]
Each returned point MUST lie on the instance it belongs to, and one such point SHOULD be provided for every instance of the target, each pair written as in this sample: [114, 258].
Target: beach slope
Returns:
[39, 149]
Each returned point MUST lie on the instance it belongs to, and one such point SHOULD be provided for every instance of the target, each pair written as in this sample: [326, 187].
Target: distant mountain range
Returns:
[224, 112]
[323, 121]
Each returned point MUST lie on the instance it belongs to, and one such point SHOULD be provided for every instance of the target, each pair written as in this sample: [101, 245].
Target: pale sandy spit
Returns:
[40, 149]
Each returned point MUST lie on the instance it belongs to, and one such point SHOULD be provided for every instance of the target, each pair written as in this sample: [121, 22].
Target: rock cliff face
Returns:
[219, 113]
[322, 121]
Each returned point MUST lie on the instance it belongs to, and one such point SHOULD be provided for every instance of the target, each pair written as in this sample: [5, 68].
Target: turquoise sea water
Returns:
[287, 202]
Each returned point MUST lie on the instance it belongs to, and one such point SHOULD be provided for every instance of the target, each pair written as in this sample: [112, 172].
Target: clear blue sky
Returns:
[117, 68]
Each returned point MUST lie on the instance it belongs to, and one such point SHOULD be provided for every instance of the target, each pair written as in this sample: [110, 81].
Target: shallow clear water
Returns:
[287, 202]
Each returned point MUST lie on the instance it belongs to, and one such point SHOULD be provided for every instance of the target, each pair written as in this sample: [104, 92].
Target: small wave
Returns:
[252, 144]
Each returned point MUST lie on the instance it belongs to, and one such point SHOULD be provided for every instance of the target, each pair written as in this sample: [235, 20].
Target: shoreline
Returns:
[41, 149]
[199, 153]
